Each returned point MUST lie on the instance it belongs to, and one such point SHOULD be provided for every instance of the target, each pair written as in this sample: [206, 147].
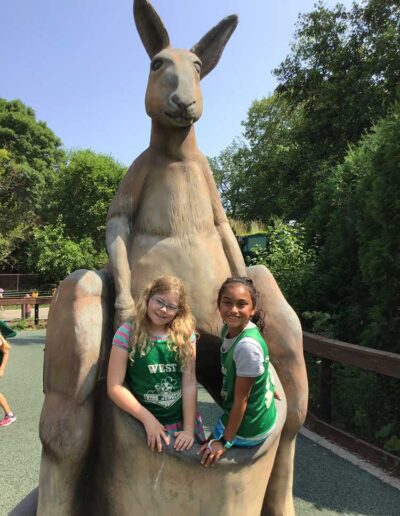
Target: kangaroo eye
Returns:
[156, 64]
[197, 65]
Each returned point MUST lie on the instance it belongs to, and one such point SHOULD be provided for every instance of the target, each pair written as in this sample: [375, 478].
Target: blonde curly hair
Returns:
[180, 329]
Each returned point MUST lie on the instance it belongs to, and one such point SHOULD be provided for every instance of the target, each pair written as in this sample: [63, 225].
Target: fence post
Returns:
[324, 402]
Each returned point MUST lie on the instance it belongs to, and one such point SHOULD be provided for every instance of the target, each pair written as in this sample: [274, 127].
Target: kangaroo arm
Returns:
[229, 242]
[119, 222]
[117, 234]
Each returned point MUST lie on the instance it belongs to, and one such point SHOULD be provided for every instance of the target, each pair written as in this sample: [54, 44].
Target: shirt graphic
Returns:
[165, 393]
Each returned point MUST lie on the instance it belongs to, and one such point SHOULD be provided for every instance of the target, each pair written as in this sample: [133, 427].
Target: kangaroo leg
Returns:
[77, 325]
[283, 335]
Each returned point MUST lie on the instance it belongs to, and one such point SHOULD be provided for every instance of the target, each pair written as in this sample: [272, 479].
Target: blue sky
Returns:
[81, 66]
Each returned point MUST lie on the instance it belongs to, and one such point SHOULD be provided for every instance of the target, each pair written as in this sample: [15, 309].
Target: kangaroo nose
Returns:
[175, 99]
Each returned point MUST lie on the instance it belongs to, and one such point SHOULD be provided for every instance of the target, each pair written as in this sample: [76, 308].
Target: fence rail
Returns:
[381, 362]
[36, 301]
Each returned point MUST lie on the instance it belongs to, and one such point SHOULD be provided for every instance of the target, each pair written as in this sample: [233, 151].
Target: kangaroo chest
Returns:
[175, 201]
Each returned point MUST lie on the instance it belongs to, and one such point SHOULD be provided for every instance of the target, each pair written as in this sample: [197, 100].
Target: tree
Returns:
[30, 156]
[377, 199]
[289, 259]
[229, 170]
[54, 255]
[341, 76]
[82, 194]
[344, 70]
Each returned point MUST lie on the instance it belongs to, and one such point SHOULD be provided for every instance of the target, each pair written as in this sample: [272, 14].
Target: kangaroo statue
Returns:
[166, 218]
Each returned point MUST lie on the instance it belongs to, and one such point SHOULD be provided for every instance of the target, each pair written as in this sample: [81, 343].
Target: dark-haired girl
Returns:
[248, 386]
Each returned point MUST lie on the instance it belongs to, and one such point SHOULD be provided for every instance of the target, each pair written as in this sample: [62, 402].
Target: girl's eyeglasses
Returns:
[172, 309]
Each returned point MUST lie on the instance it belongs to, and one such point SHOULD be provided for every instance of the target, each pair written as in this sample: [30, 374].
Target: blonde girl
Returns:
[9, 416]
[156, 355]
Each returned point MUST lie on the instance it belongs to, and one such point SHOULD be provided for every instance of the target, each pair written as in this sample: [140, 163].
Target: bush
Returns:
[289, 259]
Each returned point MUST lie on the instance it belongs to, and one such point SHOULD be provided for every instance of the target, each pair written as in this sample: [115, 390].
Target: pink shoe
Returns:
[8, 420]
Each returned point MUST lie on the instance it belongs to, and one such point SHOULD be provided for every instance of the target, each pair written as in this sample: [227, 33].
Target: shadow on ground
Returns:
[28, 338]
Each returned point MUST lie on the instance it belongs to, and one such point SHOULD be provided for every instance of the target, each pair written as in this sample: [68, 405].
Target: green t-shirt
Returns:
[156, 381]
[260, 413]
[155, 378]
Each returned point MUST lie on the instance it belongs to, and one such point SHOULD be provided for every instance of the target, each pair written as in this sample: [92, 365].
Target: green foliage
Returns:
[344, 70]
[241, 228]
[341, 76]
[318, 322]
[377, 198]
[257, 178]
[28, 324]
[358, 267]
[27, 140]
[38, 185]
[30, 156]
[83, 193]
[288, 259]
[229, 170]
[55, 256]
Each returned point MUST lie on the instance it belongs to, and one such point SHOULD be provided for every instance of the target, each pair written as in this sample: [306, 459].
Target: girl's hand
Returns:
[183, 440]
[211, 452]
[155, 433]
[277, 395]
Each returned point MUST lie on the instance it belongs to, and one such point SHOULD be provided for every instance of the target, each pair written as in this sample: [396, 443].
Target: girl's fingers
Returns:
[165, 436]
[202, 449]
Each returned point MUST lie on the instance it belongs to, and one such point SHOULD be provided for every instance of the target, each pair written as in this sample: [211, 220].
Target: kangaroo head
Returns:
[173, 95]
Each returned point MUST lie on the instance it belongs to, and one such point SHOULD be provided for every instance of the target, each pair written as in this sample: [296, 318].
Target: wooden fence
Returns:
[381, 362]
[23, 301]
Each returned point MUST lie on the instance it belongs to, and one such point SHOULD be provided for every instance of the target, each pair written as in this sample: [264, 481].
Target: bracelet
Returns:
[209, 447]
[227, 444]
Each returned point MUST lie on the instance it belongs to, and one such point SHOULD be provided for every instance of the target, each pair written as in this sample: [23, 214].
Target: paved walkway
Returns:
[325, 484]
[11, 315]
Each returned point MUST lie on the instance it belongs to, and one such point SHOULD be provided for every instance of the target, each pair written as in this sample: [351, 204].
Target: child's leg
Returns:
[199, 435]
[4, 405]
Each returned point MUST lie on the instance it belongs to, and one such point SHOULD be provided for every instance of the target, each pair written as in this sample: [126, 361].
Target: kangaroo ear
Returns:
[151, 29]
[209, 49]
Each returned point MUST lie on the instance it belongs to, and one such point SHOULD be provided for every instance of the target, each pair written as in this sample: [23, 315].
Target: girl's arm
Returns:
[243, 388]
[125, 400]
[185, 439]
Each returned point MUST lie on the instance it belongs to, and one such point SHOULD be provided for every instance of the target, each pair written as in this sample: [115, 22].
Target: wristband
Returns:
[227, 444]
[209, 444]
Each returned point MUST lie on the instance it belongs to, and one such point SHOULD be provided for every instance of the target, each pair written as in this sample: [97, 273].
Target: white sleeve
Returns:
[249, 358]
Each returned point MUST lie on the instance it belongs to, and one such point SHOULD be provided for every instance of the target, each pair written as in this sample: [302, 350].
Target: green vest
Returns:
[156, 381]
[260, 413]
